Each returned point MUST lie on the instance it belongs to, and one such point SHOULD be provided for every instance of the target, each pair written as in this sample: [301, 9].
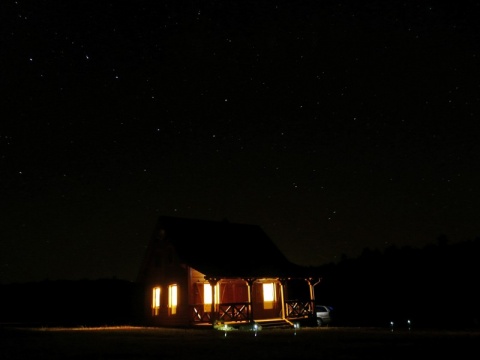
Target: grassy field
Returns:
[165, 344]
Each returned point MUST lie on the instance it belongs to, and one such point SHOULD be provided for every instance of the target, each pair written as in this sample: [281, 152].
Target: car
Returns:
[323, 314]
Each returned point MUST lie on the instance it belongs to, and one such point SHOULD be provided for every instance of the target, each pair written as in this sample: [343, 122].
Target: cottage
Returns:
[199, 273]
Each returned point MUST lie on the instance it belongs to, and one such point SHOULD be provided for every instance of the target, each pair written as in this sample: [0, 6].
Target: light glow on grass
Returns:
[92, 328]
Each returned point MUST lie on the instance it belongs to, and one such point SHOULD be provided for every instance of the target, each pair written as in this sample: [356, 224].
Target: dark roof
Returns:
[224, 249]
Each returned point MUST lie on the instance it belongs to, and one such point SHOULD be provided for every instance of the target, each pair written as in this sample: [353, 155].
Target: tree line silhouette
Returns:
[71, 303]
[430, 287]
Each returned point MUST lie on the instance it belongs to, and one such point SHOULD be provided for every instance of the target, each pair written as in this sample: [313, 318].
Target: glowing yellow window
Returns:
[156, 300]
[207, 297]
[172, 299]
[268, 295]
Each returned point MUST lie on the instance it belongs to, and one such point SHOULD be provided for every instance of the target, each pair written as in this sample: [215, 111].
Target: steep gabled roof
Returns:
[224, 249]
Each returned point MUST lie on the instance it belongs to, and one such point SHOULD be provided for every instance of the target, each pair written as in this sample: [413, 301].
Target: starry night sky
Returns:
[333, 125]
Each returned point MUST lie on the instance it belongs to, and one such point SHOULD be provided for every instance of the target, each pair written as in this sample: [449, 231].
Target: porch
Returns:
[238, 313]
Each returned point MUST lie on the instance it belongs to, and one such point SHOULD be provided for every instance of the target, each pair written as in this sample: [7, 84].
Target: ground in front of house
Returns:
[303, 343]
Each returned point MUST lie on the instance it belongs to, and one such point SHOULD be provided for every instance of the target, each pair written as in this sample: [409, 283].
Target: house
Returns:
[199, 273]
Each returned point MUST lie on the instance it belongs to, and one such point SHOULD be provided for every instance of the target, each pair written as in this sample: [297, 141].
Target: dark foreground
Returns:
[305, 343]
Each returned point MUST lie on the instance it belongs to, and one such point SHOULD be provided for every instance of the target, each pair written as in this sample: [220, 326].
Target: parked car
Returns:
[323, 313]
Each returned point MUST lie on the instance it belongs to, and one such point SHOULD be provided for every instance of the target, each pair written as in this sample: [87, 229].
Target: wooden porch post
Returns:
[312, 283]
[213, 282]
[282, 296]
[250, 304]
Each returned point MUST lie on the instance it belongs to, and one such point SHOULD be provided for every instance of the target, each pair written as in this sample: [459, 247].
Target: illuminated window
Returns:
[156, 300]
[268, 295]
[207, 297]
[172, 299]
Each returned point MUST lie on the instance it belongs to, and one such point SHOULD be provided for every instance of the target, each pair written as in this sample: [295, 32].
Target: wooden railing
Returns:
[240, 311]
[234, 311]
[298, 308]
[226, 312]
[199, 315]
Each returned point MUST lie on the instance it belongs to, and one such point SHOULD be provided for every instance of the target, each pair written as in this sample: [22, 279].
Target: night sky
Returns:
[333, 125]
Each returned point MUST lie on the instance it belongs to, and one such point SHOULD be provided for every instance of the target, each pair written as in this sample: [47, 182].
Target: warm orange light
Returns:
[268, 292]
[207, 294]
[172, 298]
[207, 297]
[156, 297]
[268, 295]
[156, 300]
